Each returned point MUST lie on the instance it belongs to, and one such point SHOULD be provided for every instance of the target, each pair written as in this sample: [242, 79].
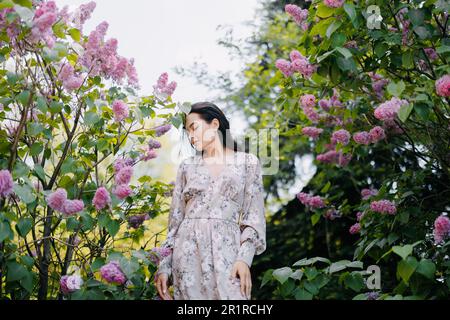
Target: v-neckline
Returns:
[211, 177]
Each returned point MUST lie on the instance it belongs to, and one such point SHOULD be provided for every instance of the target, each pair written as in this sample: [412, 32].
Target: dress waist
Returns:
[228, 220]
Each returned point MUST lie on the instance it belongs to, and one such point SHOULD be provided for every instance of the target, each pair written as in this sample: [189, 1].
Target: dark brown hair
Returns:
[209, 111]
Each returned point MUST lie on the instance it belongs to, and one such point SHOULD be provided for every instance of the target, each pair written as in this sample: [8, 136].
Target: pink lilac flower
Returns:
[100, 58]
[308, 100]
[341, 136]
[161, 130]
[356, 228]
[6, 183]
[124, 175]
[332, 214]
[311, 201]
[148, 154]
[362, 137]
[122, 191]
[120, 110]
[383, 206]
[57, 199]
[359, 216]
[163, 88]
[70, 80]
[137, 220]
[45, 16]
[431, 54]
[367, 193]
[334, 3]
[295, 55]
[389, 109]
[378, 84]
[120, 163]
[154, 144]
[312, 132]
[112, 273]
[443, 86]
[311, 114]
[377, 134]
[101, 198]
[72, 207]
[441, 229]
[343, 159]
[298, 14]
[325, 104]
[405, 23]
[69, 284]
[303, 66]
[83, 13]
[284, 66]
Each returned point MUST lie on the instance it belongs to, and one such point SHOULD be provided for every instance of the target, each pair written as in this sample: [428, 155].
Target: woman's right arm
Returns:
[176, 216]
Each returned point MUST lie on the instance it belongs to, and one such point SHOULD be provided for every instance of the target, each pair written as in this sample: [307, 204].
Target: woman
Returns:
[217, 220]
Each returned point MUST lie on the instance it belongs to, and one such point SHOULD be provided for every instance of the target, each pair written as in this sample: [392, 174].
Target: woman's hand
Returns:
[161, 285]
[241, 269]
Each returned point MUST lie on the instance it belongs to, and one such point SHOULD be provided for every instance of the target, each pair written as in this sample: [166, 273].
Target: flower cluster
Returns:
[383, 206]
[58, 201]
[298, 14]
[123, 173]
[136, 221]
[163, 89]
[443, 86]
[101, 198]
[298, 63]
[311, 201]
[6, 183]
[112, 273]
[69, 284]
[388, 110]
[441, 229]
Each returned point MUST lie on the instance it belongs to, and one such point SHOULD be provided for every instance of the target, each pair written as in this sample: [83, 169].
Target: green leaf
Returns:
[324, 11]
[25, 193]
[113, 227]
[307, 262]
[23, 97]
[15, 271]
[34, 128]
[333, 27]
[427, 268]
[75, 34]
[315, 218]
[406, 268]
[408, 59]
[396, 89]
[403, 251]
[302, 294]
[349, 8]
[354, 281]
[345, 52]
[282, 274]
[321, 27]
[36, 148]
[24, 3]
[24, 226]
[6, 231]
[422, 110]
[416, 16]
[39, 171]
[405, 111]
[55, 107]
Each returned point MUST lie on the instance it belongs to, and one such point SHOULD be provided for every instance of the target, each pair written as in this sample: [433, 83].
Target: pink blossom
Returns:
[312, 132]
[304, 67]
[388, 110]
[122, 191]
[284, 66]
[325, 104]
[124, 175]
[332, 214]
[112, 273]
[57, 199]
[154, 144]
[83, 14]
[72, 207]
[359, 215]
[383, 206]
[6, 183]
[443, 86]
[69, 284]
[297, 13]
[148, 154]
[334, 3]
[161, 130]
[341, 136]
[356, 228]
[101, 198]
[163, 88]
[311, 114]
[377, 134]
[120, 110]
[137, 220]
[44, 17]
[441, 229]
[431, 54]
[121, 163]
[311, 201]
[367, 193]
[295, 54]
[362, 137]
[308, 100]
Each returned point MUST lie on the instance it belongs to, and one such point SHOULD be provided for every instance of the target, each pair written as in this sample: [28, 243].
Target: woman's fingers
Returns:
[249, 285]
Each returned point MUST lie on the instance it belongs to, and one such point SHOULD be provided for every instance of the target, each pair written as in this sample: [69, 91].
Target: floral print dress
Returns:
[214, 221]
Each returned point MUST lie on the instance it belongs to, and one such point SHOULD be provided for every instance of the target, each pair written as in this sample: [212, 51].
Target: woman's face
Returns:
[200, 133]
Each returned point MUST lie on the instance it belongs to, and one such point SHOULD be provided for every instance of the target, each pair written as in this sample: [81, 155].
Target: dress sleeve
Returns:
[176, 216]
[253, 220]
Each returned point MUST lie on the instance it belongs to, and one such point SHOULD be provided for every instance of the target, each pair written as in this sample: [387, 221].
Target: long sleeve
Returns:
[253, 220]
[176, 216]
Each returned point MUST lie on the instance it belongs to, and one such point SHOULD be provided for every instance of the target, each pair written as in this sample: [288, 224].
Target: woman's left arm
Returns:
[253, 222]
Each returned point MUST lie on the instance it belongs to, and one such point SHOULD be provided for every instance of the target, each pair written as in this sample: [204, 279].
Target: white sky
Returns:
[163, 34]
